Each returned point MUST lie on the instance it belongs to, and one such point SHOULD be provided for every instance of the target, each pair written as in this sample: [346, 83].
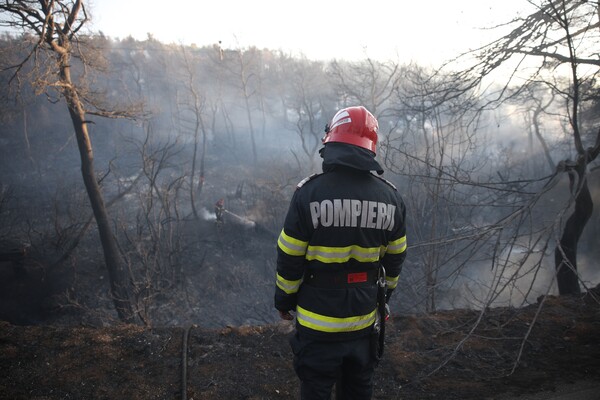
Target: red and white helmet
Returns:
[353, 125]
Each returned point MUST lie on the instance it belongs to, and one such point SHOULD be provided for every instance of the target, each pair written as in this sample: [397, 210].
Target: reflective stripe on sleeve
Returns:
[324, 323]
[289, 287]
[392, 282]
[342, 254]
[397, 246]
[291, 246]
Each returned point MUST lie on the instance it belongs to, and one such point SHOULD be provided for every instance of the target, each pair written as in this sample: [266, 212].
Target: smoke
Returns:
[207, 215]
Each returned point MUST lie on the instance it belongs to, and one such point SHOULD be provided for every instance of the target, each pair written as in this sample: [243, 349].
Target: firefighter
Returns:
[219, 209]
[342, 226]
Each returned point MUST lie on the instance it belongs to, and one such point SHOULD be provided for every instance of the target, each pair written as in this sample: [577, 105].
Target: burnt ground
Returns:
[457, 354]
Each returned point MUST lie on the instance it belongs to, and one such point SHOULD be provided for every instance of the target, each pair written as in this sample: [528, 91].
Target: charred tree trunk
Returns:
[565, 254]
[56, 24]
[244, 81]
[112, 257]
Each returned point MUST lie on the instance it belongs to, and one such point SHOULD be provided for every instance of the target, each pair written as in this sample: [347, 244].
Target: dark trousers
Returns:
[319, 365]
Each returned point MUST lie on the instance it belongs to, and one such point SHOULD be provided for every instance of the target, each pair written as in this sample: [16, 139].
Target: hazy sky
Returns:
[426, 31]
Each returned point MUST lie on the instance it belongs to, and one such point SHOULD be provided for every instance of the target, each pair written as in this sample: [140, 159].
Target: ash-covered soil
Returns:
[450, 355]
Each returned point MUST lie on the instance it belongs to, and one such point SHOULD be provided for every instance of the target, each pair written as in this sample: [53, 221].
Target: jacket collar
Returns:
[346, 155]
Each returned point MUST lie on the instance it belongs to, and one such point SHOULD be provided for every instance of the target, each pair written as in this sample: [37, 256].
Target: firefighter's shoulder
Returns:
[386, 181]
[307, 179]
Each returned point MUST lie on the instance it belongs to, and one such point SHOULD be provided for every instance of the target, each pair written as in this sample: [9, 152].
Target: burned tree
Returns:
[53, 27]
[307, 103]
[556, 47]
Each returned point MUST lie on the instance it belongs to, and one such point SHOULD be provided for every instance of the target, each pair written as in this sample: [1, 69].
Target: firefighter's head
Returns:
[355, 126]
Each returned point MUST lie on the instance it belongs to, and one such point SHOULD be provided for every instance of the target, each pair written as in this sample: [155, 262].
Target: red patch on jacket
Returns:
[357, 277]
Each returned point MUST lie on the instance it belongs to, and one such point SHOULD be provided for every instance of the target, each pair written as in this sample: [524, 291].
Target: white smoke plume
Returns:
[207, 215]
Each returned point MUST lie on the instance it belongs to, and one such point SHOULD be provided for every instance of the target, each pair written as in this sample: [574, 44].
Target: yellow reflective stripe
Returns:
[324, 323]
[342, 254]
[391, 282]
[289, 287]
[397, 246]
[291, 246]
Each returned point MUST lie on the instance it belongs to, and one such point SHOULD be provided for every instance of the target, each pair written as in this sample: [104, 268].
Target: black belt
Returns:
[340, 279]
